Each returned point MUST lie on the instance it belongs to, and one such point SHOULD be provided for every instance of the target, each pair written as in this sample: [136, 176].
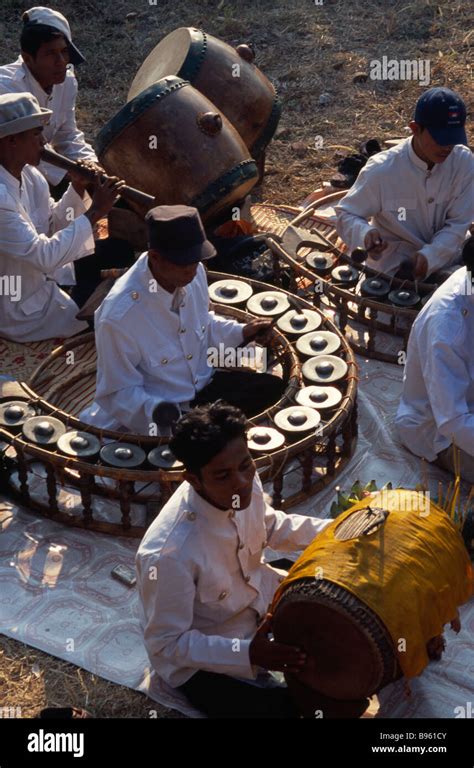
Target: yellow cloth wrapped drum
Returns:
[371, 592]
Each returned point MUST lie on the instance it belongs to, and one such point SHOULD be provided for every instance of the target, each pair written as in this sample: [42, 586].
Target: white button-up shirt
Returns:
[437, 405]
[61, 132]
[37, 238]
[414, 209]
[147, 353]
[203, 585]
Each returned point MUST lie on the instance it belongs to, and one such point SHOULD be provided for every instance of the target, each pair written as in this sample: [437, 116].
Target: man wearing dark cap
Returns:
[413, 204]
[45, 70]
[154, 331]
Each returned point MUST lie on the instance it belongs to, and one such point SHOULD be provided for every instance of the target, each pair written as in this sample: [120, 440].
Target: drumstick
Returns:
[128, 193]
[440, 494]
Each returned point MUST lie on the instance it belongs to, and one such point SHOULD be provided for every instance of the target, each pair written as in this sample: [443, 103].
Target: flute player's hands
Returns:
[106, 191]
[81, 183]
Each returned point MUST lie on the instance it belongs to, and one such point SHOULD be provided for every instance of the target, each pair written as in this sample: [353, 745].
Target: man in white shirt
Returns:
[203, 587]
[412, 205]
[38, 236]
[154, 333]
[436, 411]
[45, 69]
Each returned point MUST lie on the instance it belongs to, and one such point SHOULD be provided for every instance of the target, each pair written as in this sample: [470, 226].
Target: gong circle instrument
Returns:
[341, 600]
[79, 445]
[171, 142]
[118, 481]
[226, 76]
[294, 322]
[373, 310]
[14, 413]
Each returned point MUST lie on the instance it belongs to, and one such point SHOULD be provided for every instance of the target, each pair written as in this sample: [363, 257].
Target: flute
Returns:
[128, 193]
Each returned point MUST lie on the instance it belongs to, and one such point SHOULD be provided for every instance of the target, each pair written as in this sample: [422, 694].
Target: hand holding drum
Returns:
[269, 654]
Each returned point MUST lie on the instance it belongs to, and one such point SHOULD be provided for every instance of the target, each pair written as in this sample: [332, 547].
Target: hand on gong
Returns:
[258, 330]
[267, 653]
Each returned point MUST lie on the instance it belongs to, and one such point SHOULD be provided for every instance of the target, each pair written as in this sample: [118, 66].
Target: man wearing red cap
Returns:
[413, 204]
[154, 332]
[45, 70]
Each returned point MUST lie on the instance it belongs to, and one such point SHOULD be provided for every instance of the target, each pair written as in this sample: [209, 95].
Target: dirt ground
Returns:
[307, 50]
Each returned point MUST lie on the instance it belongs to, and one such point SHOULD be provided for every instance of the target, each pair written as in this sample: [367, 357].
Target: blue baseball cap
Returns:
[443, 113]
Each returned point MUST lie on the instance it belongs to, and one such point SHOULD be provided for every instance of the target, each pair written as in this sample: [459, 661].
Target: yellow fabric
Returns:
[413, 572]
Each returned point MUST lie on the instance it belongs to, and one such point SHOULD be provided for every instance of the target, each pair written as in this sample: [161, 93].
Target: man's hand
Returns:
[106, 191]
[268, 654]
[374, 244]
[165, 416]
[82, 183]
[420, 267]
[258, 330]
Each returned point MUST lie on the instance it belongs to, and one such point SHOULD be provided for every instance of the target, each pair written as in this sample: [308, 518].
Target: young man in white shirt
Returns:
[436, 412]
[204, 588]
[412, 205]
[45, 70]
[154, 332]
[37, 236]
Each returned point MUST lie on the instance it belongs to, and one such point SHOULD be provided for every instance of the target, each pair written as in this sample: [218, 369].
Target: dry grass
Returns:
[306, 50]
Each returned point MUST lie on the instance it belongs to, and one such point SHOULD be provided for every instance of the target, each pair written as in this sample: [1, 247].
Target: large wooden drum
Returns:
[227, 76]
[172, 142]
[369, 598]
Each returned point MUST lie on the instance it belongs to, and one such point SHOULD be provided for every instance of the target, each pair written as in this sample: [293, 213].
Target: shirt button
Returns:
[189, 357]
[135, 295]
[203, 328]
[464, 312]
[164, 361]
[431, 199]
[182, 330]
[183, 304]
[222, 595]
[232, 513]
[241, 545]
[247, 579]
[191, 515]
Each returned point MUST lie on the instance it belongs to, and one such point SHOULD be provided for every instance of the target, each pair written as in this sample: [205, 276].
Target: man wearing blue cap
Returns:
[154, 332]
[414, 203]
[45, 70]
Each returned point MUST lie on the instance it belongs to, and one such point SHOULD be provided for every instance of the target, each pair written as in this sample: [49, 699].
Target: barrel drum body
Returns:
[369, 595]
[172, 143]
[234, 84]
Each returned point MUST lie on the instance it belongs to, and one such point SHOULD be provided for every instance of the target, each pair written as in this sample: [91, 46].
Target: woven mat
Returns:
[18, 361]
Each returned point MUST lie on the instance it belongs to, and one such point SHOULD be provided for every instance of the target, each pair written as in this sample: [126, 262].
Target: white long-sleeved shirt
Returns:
[37, 238]
[147, 353]
[203, 585]
[414, 209]
[61, 132]
[437, 404]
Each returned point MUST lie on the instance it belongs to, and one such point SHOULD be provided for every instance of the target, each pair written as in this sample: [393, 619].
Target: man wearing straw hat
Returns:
[412, 205]
[435, 418]
[45, 69]
[37, 235]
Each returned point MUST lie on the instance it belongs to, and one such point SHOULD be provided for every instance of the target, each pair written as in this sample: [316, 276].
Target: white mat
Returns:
[56, 593]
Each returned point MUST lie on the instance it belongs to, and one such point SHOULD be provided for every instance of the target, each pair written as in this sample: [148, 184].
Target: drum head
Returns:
[299, 322]
[354, 649]
[124, 455]
[324, 369]
[268, 303]
[230, 291]
[43, 430]
[318, 343]
[264, 439]
[168, 58]
[297, 419]
[79, 445]
[162, 458]
[14, 413]
[321, 398]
